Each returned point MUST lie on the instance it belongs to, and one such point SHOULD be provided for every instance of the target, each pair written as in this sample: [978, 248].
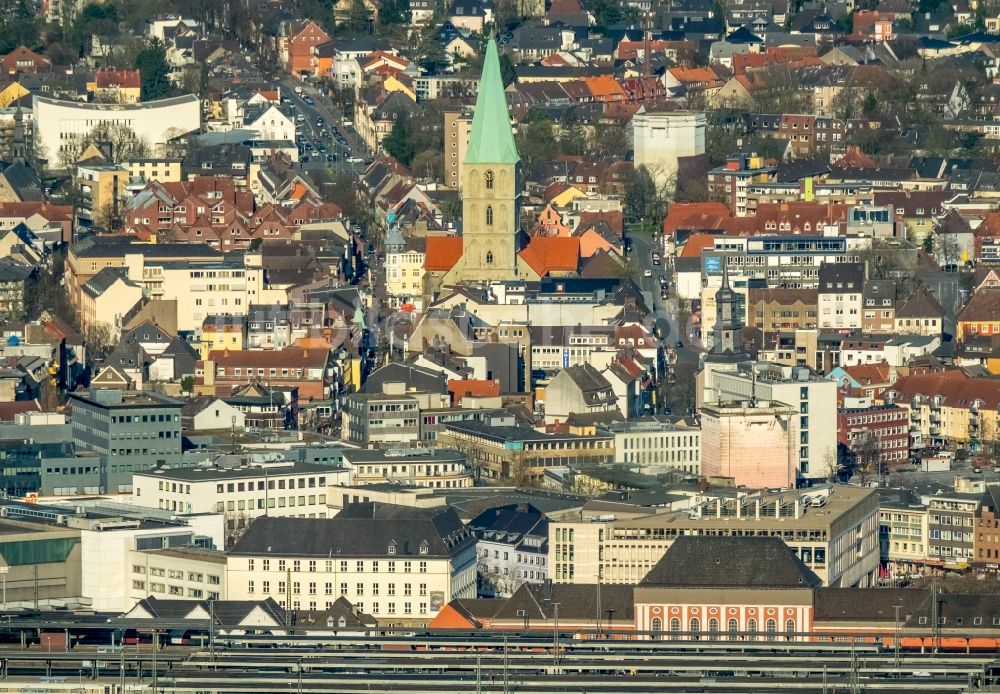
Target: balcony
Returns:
[935, 430]
[935, 418]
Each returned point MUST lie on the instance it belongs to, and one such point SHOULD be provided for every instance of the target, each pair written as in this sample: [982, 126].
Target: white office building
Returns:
[62, 124]
[651, 444]
[245, 486]
[400, 564]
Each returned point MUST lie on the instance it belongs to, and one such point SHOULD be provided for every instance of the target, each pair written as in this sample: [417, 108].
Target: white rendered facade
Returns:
[107, 547]
[277, 489]
[658, 444]
[660, 138]
[154, 122]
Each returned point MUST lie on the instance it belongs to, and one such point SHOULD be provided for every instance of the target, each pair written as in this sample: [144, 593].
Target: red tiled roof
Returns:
[954, 386]
[545, 254]
[120, 79]
[614, 219]
[984, 306]
[442, 252]
[288, 357]
[604, 86]
[695, 216]
[8, 410]
[777, 55]
[63, 213]
[696, 243]
[870, 374]
[694, 74]
[856, 159]
[801, 217]
[472, 387]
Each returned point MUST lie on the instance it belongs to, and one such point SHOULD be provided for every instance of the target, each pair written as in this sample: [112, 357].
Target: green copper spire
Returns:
[492, 139]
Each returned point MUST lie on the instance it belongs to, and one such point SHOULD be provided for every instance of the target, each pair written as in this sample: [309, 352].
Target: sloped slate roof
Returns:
[730, 562]
[366, 529]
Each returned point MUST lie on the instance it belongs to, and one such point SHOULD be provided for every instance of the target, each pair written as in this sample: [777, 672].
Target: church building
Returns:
[493, 247]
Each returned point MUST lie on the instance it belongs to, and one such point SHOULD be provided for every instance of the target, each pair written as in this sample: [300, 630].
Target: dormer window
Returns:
[424, 548]
[391, 549]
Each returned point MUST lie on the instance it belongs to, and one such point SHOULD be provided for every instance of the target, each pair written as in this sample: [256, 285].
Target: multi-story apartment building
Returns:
[651, 443]
[145, 169]
[389, 417]
[787, 260]
[812, 397]
[101, 188]
[132, 431]
[951, 529]
[949, 407]
[420, 467]
[512, 547]
[773, 309]
[987, 539]
[201, 289]
[404, 270]
[308, 370]
[879, 311]
[878, 435]
[841, 288]
[397, 563]
[276, 326]
[903, 533]
[730, 181]
[557, 347]
[833, 531]
[777, 192]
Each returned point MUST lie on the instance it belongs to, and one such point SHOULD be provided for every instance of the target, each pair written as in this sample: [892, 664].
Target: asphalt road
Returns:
[664, 310]
[323, 107]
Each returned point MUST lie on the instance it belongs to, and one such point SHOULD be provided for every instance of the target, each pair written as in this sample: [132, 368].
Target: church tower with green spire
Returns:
[491, 187]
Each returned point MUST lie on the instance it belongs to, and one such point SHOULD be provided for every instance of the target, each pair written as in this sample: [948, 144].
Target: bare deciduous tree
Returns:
[100, 336]
[123, 141]
[499, 577]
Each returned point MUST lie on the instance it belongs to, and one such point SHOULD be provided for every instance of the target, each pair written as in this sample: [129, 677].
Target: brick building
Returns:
[986, 543]
[292, 367]
[883, 431]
